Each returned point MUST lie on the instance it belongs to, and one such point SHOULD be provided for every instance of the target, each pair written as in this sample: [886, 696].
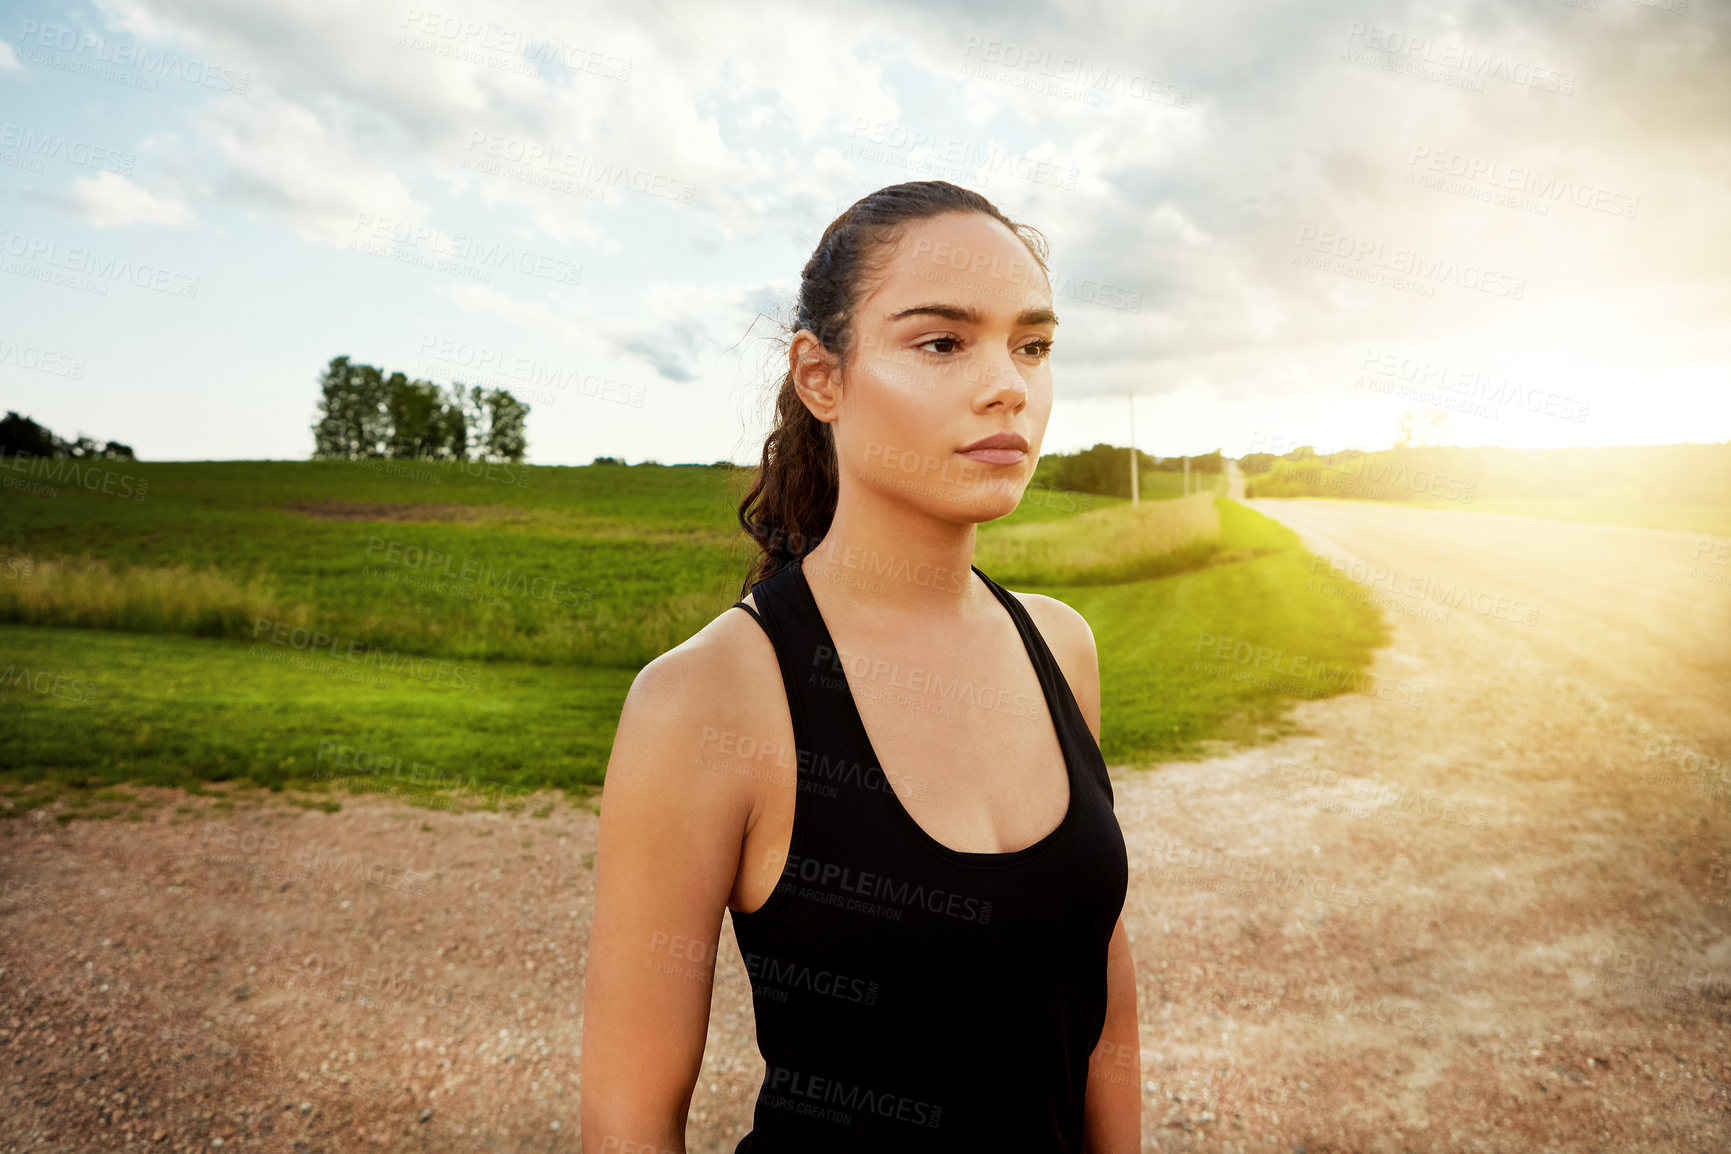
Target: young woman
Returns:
[885, 768]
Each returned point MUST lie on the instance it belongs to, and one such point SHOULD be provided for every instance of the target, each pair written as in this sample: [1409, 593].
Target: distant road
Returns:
[1616, 606]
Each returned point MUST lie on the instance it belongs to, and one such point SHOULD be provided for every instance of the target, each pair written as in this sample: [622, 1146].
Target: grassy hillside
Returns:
[602, 566]
[245, 620]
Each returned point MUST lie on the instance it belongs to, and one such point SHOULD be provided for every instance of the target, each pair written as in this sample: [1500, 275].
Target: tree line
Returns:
[22, 437]
[365, 413]
[1104, 469]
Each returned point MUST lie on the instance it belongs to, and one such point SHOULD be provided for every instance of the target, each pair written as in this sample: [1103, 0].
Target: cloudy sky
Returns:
[1500, 222]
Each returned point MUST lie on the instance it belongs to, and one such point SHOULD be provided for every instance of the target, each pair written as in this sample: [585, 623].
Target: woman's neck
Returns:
[880, 555]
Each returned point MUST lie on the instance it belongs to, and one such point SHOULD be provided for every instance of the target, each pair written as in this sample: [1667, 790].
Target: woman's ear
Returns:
[816, 375]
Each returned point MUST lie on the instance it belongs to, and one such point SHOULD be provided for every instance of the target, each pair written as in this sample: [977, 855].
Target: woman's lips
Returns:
[995, 456]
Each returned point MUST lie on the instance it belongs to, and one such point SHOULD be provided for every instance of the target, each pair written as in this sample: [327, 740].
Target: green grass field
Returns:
[131, 653]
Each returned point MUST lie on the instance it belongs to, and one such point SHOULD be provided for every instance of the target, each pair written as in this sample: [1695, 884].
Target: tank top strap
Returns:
[818, 702]
[1072, 726]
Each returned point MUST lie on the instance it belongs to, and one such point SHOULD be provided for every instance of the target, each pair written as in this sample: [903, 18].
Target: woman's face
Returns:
[950, 346]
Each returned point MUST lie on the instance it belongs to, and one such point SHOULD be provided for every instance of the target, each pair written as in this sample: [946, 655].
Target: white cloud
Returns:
[109, 200]
[320, 173]
[9, 59]
[352, 111]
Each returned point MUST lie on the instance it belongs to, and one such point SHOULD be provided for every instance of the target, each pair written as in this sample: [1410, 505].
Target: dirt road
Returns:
[1487, 911]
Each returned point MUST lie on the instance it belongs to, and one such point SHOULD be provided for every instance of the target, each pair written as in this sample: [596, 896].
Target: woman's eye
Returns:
[952, 342]
[1041, 349]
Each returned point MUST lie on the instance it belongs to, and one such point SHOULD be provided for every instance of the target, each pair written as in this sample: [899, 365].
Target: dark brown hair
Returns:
[792, 499]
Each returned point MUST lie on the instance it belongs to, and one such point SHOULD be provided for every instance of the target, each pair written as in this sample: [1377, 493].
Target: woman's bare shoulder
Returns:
[1071, 641]
[722, 680]
[732, 646]
[1066, 631]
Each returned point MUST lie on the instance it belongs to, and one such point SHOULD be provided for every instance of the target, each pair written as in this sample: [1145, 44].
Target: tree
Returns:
[1209, 463]
[1103, 469]
[506, 416]
[354, 421]
[22, 436]
[364, 413]
[417, 418]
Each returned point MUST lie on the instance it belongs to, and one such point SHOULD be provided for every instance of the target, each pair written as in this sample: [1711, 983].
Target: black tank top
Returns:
[909, 996]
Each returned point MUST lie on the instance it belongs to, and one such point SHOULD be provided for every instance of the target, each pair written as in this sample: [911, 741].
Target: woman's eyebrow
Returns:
[971, 316]
[948, 312]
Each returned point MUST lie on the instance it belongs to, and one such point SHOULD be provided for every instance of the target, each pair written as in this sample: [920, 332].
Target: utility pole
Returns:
[1186, 476]
[1135, 473]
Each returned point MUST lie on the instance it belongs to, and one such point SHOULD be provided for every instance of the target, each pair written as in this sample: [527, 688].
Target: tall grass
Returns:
[1105, 546]
[88, 593]
[91, 594]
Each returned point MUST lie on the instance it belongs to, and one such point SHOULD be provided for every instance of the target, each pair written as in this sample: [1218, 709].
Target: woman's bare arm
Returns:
[1112, 1123]
[665, 865]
